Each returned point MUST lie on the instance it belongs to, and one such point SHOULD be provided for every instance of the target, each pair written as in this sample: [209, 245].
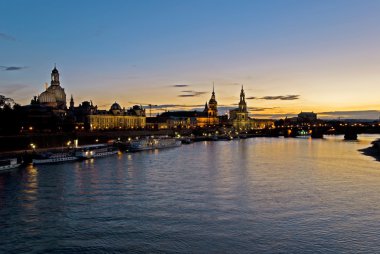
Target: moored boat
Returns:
[7, 164]
[47, 158]
[95, 151]
[153, 143]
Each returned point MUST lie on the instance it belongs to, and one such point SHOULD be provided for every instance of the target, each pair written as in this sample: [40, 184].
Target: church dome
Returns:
[115, 106]
[59, 93]
[46, 97]
[54, 70]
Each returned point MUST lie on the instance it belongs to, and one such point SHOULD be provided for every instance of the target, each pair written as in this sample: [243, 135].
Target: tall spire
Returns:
[71, 102]
[242, 103]
[206, 107]
[242, 94]
[213, 92]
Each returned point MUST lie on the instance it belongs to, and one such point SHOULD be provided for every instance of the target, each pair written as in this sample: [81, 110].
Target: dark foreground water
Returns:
[263, 195]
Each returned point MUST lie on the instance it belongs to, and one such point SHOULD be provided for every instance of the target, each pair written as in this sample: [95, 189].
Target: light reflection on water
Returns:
[264, 195]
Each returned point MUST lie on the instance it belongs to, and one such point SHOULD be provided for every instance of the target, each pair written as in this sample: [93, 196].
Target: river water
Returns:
[261, 195]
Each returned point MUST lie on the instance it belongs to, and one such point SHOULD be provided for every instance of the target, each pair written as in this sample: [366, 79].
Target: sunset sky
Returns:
[290, 55]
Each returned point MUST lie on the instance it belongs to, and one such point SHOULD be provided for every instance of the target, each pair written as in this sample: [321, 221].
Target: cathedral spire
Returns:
[71, 102]
[242, 103]
[242, 94]
[213, 92]
[206, 107]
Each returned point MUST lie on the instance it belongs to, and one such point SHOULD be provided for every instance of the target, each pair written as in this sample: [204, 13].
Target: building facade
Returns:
[240, 120]
[188, 119]
[117, 118]
[239, 117]
[54, 96]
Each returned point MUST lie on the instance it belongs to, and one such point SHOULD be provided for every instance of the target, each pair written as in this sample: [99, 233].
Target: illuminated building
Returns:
[239, 116]
[240, 120]
[54, 96]
[117, 118]
[188, 119]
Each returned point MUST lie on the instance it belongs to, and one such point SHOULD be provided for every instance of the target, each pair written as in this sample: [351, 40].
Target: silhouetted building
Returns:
[54, 96]
[47, 111]
[307, 117]
[189, 119]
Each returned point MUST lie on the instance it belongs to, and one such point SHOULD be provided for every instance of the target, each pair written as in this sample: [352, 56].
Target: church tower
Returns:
[55, 77]
[212, 105]
[72, 103]
[242, 103]
[54, 95]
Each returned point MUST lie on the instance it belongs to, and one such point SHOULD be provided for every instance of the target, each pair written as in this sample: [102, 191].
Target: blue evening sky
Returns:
[326, 52]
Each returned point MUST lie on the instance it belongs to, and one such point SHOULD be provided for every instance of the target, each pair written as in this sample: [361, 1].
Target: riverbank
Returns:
[26, 142]
[373, 151]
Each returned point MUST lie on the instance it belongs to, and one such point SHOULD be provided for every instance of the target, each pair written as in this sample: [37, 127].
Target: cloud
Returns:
[353, 114]
[105, 105]
[273, 116]
[277, 97]
[230, 84]
[191, 93]
[165, 106]
[11, 88]
[180, 85]
[281, 97]
[12, 68]
[260, 109]
[7, 37]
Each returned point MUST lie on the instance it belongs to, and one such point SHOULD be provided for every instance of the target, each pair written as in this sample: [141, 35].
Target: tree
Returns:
[6, 102]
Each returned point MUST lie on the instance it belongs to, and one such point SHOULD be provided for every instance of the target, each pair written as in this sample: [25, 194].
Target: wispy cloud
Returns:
[276, 97]
[105, 105]
[7, 37]
[273, 116]
[230, 84]
[260, 109]
[191, 93]
[11, 88]
[12, 68]
[281, 97]
[166, 106]
[353, 114]
[180, 85]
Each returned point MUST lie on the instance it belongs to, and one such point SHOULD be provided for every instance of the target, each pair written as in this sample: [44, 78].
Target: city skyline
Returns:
[291, 56]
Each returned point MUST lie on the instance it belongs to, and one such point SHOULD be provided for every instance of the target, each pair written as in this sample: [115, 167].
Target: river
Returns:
[260, 195]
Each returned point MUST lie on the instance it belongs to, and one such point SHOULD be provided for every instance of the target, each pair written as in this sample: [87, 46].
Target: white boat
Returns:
[9, 164]
[95, 151]
[54, 158]
[153, 143]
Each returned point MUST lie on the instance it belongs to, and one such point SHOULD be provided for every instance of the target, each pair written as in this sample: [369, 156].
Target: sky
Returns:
[290, 55]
